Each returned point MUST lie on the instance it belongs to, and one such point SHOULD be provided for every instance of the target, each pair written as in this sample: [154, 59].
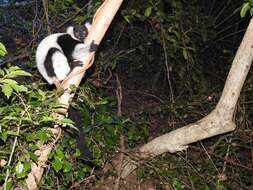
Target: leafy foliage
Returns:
[8, 85]
[3, 50]
[247, 7]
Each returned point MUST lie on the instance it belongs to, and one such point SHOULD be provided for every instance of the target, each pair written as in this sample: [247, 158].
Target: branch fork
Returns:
[219, 121]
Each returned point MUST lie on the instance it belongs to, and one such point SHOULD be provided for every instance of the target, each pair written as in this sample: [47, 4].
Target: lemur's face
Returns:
[80, 32]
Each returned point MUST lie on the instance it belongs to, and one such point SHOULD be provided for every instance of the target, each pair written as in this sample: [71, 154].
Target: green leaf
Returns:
[22, 73]
[57, 164]
[60, 154]
[15, 71]
[30, 137]
[33, 147]
[126, 19]
[21, 169]
[68, 122]
[4, 135]
[9, 85]
[9, 185]
[42, 94]
[251, 11]
[3, 50]
[1, 72]
[244, 10]
[47, 119]
[9, 81]
[27, 166]
[13, 68]
[33, 156]
[101, 102]
[148, 12]
[19, 88]
[67, 167]
[185, 54]
[7, 90]
[43, 135]
[18, 73]
[77, 153]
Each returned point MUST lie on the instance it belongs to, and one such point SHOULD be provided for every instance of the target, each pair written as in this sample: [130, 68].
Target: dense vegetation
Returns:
[170, 58]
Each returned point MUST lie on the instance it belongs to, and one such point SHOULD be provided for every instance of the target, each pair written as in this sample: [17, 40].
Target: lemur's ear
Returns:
[87, 25]
[70, 30]
[77, 32]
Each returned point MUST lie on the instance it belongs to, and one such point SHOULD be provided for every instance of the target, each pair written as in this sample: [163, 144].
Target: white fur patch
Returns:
[70, 30]
[88, 25]
[41, 53]
[81, 51]
[60, 66]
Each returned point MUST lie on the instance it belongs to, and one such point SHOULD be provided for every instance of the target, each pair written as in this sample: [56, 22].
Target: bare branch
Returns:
[219, 121]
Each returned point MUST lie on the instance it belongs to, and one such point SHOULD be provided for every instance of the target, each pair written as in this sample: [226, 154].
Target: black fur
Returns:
[49, 62]
[67, 44]
[75, 63]
[93, 46]
[76, 116]
[81, 32]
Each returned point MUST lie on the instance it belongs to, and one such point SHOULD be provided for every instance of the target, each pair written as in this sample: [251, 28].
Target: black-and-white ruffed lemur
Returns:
[59, 53]
[56, 56]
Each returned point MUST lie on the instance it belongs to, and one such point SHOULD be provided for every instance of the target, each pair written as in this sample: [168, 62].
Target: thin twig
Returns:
[211, 8]
[119, 95]
[45, 7]
[11, 155]
[208, 155]
[15, 141]
[229, 27]
[167, 65]
[147, 94]
[109, 77]
[225, 159]
[231, 34]
[227, 18]
[122, 146]
[121, 158]
[10, 158]
[224, 7]
[77, 184]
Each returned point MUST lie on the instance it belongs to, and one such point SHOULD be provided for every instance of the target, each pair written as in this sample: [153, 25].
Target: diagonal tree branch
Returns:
[219, 121]
[101, 22]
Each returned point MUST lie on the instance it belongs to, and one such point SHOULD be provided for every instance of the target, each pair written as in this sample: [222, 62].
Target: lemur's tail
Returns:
[86, 155]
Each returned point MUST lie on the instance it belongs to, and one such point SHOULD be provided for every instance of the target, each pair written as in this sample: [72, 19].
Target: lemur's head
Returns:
[79, 32]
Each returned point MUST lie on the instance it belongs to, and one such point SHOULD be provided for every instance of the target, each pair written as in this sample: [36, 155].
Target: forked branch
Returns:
[219, 121]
